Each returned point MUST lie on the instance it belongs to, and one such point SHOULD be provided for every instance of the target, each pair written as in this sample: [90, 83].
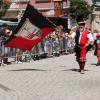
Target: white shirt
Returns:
[89, 36]
[94, 36]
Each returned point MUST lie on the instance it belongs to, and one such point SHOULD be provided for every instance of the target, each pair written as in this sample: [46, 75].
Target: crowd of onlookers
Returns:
[5, 32]
[59, 42]
[54, 44]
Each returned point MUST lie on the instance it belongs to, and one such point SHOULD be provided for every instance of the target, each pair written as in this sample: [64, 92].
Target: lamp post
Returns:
[58, 7]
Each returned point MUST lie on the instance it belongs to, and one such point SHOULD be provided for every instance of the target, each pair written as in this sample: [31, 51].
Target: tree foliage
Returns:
[79, 9]
[3, 7]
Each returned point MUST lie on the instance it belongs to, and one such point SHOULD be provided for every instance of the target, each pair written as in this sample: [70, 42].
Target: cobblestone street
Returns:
[51, 79]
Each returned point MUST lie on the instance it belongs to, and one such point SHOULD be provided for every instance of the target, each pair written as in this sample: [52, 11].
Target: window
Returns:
[42, 1]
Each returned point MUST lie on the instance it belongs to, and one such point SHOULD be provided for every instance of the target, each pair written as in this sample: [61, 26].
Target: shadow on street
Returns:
[5, 88]
[28, 70]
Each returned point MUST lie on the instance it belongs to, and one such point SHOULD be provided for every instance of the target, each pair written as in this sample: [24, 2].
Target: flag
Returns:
[32, 28]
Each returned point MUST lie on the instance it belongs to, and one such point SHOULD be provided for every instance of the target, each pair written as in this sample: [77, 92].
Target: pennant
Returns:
[31, 30]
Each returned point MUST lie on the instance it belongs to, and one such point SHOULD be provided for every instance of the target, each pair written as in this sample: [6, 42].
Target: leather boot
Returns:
[82, 64]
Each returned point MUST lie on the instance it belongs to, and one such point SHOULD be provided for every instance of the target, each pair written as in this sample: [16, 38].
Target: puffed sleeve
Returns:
[90, 37]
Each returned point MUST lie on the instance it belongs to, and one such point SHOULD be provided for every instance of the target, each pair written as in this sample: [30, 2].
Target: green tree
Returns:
[3, 7]
[79, 10]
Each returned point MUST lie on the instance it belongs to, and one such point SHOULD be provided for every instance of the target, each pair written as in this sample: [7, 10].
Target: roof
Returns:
[8, 22]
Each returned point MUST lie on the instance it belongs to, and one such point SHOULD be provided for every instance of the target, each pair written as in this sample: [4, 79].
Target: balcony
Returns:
[19, 1]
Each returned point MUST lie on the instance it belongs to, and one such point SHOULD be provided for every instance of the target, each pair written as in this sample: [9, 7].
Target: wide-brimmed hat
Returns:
[81, 23]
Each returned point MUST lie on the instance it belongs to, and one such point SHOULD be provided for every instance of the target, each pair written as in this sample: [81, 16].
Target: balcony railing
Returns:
[19, 1]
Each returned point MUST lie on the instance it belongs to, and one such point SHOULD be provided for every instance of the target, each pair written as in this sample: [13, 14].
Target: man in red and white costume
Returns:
[83, 42]
[97, 46]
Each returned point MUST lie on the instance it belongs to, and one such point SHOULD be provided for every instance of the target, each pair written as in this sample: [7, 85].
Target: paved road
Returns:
[50, 79]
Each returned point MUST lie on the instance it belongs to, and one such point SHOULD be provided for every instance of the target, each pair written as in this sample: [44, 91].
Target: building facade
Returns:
[55, 10]
[47, 7]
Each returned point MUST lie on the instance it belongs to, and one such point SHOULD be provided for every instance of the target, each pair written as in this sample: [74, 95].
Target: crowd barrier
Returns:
[47, 48]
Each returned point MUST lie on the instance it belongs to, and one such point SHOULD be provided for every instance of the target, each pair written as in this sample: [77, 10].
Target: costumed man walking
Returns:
[97, 46]
[83, 43]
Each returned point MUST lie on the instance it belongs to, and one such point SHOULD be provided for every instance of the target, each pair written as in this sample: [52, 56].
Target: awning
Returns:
[8, 23]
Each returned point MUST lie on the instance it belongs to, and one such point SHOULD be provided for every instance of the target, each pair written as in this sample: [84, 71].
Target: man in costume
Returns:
[97, 46]
[83, 43]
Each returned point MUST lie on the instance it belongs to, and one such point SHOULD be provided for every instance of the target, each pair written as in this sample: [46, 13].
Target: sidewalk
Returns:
[50, 79]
